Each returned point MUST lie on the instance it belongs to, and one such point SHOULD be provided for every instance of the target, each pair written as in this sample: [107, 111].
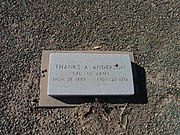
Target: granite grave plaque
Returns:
[89, 74]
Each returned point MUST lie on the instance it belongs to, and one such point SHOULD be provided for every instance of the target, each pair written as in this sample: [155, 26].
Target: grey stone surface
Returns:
[84, 74]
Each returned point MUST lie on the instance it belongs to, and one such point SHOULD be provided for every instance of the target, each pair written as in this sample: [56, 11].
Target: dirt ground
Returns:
[148, 28]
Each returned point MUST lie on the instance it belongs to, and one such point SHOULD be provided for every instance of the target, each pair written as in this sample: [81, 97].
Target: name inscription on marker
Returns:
[75, 73]
[89, 74]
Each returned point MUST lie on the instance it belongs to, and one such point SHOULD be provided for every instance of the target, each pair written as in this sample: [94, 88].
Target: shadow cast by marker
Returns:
[140, 96]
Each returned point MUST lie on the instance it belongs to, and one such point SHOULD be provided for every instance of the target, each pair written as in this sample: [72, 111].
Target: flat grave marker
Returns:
[89, 74]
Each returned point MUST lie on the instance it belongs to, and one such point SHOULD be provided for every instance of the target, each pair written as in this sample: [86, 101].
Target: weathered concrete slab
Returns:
[49, 101]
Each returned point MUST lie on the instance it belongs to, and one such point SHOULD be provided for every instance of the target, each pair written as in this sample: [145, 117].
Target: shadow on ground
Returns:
[140, 96]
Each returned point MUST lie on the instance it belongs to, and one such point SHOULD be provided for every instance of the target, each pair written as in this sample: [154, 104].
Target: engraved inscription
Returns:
[89, 70]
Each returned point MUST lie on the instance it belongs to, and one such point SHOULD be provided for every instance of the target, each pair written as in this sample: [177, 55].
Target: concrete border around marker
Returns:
[48, 101]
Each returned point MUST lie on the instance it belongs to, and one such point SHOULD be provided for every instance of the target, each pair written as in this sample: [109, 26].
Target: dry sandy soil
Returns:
[149, 28]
